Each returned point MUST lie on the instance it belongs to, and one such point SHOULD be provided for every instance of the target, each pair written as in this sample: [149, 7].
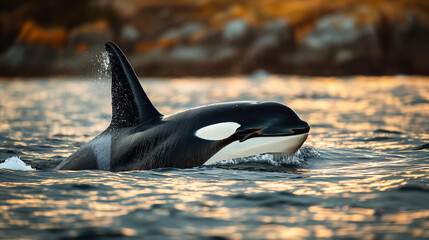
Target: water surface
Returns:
[362, 174]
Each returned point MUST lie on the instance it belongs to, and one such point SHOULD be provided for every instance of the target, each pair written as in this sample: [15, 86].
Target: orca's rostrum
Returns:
[139, 137]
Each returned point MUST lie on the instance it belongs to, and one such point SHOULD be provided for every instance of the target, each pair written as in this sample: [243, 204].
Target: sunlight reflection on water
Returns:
[368, 182]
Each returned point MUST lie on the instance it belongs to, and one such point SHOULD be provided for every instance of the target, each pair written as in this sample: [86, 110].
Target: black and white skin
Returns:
[140, 137]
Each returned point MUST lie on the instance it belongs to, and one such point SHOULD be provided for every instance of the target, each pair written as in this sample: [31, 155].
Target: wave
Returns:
[16, 164]
[268, 161]
[273, 159]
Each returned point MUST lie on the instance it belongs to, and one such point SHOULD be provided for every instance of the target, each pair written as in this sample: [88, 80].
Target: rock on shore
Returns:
[176, 40]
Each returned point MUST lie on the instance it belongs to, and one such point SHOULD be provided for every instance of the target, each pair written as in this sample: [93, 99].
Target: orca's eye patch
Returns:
[218, 131]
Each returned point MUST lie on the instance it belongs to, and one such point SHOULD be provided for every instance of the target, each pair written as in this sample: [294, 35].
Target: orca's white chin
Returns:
[259, 145]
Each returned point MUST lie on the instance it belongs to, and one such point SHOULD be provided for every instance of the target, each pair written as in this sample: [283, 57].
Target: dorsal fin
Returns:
[130, 104]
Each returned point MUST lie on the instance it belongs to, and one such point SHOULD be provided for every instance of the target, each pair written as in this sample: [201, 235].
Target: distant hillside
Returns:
[217, 37]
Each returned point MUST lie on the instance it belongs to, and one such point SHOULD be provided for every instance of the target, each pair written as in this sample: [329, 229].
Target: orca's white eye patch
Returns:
[217, 131]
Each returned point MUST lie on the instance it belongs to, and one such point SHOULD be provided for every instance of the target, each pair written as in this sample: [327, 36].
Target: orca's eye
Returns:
[217, 131]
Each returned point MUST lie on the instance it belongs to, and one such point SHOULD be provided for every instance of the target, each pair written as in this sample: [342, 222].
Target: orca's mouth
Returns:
[246, 134]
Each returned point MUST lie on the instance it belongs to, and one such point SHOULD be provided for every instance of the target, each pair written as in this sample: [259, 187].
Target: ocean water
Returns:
[362, 174]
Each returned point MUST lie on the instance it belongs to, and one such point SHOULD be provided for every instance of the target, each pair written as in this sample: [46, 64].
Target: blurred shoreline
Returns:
[217, 38]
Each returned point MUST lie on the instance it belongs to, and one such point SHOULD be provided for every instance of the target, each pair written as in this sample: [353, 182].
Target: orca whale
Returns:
[140, 138]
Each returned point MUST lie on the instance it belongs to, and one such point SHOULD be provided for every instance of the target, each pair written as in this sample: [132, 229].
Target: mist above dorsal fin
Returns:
[130, 104]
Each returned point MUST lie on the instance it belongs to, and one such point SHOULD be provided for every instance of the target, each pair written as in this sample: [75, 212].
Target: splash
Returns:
[103, 80]
[16, 164]
[275, 159]
[103, 67]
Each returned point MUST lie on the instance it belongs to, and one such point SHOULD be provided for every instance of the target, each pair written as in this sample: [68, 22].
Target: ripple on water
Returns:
[270, 162]
[421, 147]
[358, 176]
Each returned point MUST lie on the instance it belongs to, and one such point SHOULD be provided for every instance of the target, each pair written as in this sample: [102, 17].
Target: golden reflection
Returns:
[406, 217]
[191, 197]
[334, 215]
[345, 115]
[323, 232]
[221, 213]
[272, 231]
[364, 183]
[233, 232]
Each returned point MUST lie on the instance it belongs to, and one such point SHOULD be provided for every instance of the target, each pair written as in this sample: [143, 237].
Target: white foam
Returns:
[276, 159]
[15, 163]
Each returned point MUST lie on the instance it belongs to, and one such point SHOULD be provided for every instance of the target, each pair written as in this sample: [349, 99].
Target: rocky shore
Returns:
[223, 38]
